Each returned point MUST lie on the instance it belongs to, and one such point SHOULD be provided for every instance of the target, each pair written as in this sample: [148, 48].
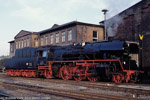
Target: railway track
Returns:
[81, 95]
[4, 96]
[108, 86]
[96, 85]
[100, 85]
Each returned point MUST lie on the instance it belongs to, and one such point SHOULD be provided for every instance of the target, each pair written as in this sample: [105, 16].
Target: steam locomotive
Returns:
[106, 60]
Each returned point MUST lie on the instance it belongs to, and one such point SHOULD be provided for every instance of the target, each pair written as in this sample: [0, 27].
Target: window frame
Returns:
[46, 40]
[28, 42]
[52, 39]
[70, 35]
[25, 43]
[42, 41]
[95, 38]
[18, 44]
[63, 36]
[22, 44]
[57, 37]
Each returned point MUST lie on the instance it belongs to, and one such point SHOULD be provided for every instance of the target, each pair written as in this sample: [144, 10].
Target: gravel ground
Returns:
[27, 95]
[66, 87]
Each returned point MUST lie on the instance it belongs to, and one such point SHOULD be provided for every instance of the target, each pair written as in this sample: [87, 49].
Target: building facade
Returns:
[58, 35]
[131, 23]
[71, 32]
[23, 39]
[12, 48]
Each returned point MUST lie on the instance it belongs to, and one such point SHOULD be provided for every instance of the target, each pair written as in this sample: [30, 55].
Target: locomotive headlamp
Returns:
[124, 62]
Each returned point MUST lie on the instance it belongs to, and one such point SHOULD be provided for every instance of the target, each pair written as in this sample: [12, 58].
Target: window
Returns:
[63, 36]
[52, 39]
[57, 38]
[46, 40]
[44, 53]
[36, 42]
[42, 42]
[16, 45]
[95, 36]
[25, 43]
[22, 44]
[28, 42]
[69, 35]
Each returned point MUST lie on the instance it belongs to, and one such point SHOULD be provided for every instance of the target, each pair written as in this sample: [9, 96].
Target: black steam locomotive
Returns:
[107, 60]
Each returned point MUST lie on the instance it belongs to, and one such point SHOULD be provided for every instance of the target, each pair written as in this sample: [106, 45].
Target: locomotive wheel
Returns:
[91, 74]
[23, 73]
[33, 74]
[93, 78]
[13, 73]
[27, 74]
[79, 75]
[18, 73]
[47, 74]
[65, 72]
[8, 72]
[118, 78]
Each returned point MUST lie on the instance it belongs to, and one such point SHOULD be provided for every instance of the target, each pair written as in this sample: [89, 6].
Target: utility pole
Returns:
[105, 37]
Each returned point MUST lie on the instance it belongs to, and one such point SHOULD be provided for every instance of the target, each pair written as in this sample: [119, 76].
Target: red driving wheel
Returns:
[65, 72]
[93, 78]
[79, 74]
[118, 78]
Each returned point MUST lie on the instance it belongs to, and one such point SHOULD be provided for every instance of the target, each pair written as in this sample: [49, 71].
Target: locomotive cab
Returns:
[131, 56]
[42, 56]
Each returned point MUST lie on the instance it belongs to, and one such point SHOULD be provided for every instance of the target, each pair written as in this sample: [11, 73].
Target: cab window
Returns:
[44, 53]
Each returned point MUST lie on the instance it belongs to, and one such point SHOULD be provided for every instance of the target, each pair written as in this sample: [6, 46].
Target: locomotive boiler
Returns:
[106, 60]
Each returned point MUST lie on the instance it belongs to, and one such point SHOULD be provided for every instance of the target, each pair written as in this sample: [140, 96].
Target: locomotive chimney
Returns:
[105, 36]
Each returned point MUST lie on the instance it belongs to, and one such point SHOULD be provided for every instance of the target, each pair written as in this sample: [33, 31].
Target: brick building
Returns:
[59, 35]
[131, 22]
[71, 32]
[23, 39]
[12, 48]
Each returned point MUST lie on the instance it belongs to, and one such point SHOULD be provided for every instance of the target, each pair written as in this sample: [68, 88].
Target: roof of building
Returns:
[24, 33]
[11, 41]
[56, 27]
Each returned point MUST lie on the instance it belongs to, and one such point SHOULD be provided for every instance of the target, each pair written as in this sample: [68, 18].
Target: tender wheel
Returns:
[118, 78]
[13, 73]
[65, 72]
[34, 74]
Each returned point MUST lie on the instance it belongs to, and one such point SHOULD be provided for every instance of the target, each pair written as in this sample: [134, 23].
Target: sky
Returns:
[37, 15]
